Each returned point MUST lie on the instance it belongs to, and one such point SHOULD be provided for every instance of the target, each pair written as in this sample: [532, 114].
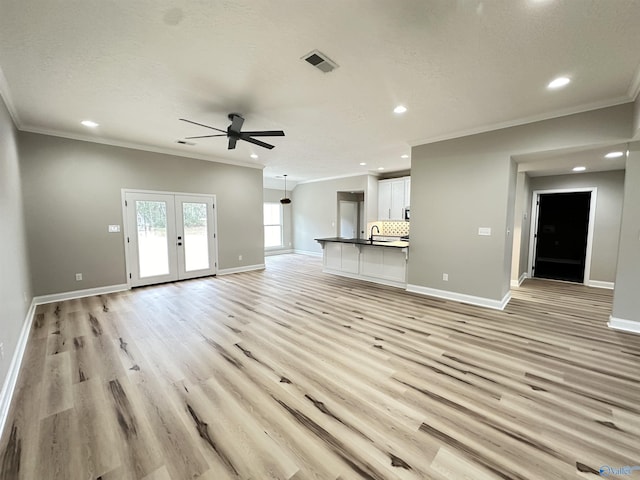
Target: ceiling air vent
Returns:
[320, 61]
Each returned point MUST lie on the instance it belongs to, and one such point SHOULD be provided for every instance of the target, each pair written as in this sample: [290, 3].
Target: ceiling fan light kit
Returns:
[234, 132]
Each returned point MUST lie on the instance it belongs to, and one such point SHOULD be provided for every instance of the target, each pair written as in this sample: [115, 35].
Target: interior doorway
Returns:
[350, 214]
[169, 237]
[348, 219]
[562, 231]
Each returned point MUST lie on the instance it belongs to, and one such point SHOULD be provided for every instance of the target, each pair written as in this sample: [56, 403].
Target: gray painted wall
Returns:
[526, 227]
[509, 236]
[606, 232]
[636, 119]
[521, 222]
[315, 209]
[626, 297]
[454, 191]
[461, 184]
[15, 283]
[271, 195]
[72, 191]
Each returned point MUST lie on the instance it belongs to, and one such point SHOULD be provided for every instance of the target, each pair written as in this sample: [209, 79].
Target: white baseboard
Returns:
[307, 252]
[89, 292]
[599, 284]
[269, 253]
[14, 368]
[246, 268]
[623, 325]
[461, 297]
[518, 282]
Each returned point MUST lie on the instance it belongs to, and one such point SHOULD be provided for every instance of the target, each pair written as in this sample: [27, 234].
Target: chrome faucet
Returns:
[371, 234]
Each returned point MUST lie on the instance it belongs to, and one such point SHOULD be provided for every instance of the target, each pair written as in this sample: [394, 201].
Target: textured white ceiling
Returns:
[460, 66]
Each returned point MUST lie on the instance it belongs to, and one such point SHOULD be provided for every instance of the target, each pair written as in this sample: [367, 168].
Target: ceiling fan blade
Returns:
[207, 136]
[236, 122]
[202, 125]
[256, 142]
[232, 143]
[265, 133]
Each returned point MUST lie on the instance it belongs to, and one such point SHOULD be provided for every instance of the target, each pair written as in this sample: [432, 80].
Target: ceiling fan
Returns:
[234, 132]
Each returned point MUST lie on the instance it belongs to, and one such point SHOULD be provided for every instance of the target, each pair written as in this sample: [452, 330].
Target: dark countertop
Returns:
[361, 241]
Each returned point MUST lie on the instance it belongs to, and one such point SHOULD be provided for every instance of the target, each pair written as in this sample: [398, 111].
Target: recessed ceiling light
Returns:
[89, 123]
[404, 156]
[613, 155]
[362, 164]
[253, 155]
[380, 168]
[579, 169]
[559, 82]
[400, 109]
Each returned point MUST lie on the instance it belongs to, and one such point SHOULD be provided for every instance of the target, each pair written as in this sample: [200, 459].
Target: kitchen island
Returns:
[379, 261]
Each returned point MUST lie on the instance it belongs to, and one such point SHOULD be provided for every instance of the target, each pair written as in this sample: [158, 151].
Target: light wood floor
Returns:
[295, 374]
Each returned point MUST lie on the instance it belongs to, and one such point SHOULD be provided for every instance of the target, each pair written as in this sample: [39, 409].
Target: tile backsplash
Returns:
[390, 228]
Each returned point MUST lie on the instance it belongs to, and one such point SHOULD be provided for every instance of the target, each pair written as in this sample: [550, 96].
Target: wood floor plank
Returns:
[181, 457]
[138, 447]
[290, 373]
[55, 459]
[97, 436]
[57, 384]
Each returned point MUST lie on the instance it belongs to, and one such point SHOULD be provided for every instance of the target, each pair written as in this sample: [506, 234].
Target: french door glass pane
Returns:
[153, 244]
[196, 238]
[272, 236]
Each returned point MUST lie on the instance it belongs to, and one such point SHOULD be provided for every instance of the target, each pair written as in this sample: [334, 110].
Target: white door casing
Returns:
[168, 236]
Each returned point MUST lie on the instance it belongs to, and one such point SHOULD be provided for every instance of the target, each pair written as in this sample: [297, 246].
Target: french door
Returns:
[169, 237]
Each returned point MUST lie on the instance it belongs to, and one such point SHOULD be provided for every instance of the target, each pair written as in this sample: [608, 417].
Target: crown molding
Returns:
[5, 93]
[526, 120]
[337, 177]
[136, 146]
[634, 88]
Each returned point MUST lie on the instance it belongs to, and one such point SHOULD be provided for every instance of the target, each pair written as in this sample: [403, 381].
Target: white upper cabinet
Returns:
[384, 200]
[393, 198]
[407, 191]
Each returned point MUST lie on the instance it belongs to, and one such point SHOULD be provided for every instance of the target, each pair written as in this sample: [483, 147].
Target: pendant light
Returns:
[285, 200]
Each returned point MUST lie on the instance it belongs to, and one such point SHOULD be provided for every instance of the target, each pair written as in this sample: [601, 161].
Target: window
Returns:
[272, 225]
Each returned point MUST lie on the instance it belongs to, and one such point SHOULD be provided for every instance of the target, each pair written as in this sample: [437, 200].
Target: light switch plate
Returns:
[485, 231]
[114, 228]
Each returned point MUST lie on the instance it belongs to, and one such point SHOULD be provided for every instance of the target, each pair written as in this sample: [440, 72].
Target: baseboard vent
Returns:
[320, 61]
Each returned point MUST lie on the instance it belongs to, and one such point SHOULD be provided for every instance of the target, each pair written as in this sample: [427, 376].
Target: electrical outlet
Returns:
[240, 258]
[445, 277]
[1, 351]
[78, 277]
